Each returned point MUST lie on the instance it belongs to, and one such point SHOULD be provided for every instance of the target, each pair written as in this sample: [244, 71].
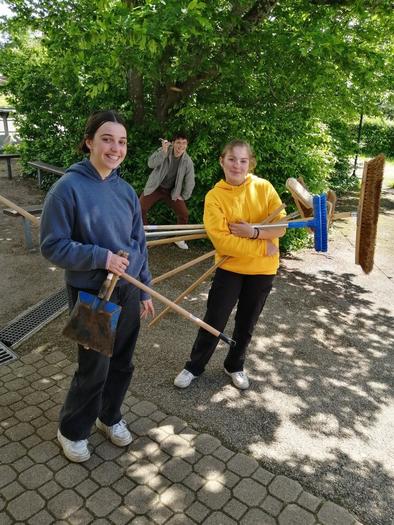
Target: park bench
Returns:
[48, 168]
[7, 157]
[34, 210]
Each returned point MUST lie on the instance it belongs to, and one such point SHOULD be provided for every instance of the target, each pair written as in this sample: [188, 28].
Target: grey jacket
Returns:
[160, 163]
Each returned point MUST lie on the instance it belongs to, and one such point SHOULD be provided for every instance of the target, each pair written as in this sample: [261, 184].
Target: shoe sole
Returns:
[111, 438]
[236, 386]
[70, 457]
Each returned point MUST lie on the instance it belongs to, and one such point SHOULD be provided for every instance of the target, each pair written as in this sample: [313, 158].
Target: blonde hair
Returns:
[240, 143]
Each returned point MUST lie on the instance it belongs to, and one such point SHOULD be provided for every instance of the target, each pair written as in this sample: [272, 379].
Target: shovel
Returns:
[93, 319]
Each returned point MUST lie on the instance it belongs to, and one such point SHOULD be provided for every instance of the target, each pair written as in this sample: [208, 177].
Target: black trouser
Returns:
[100, 383]
[251, 291]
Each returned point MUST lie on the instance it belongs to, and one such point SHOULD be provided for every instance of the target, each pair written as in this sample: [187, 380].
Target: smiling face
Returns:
[108, 147]
[235, 163]
[179, 147]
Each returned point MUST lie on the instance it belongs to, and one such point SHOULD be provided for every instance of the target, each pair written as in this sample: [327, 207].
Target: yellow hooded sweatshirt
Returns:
[251, 202]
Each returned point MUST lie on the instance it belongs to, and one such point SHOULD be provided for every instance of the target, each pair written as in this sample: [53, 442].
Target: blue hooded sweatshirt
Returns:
[84, 216]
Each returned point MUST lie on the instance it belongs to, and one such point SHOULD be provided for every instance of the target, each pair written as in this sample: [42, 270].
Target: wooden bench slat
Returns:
[34, 210]
[47, 167]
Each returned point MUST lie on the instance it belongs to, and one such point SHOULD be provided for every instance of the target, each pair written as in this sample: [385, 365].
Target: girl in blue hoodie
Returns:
[89, 215]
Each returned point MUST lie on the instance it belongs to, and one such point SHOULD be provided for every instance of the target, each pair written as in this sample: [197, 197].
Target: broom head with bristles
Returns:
[368, 212]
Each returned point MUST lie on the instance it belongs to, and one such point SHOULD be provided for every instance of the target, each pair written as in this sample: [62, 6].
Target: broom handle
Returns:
[174, 233]
[20, 210]
[178, 309]
[190, 289]
[157, 227]
[176, 239]
[182, 267]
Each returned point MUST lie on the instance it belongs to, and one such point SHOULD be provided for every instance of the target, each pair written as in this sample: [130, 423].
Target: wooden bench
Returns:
[48, 168]
[7, 157]
[34, 210]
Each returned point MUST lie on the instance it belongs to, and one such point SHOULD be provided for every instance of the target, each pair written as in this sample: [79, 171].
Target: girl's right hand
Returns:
[117, 264]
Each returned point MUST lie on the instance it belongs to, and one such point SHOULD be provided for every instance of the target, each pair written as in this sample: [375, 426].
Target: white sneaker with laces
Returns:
[239, 379]
[183, 379]
[182, 245]
[119, 434]
[76, 451]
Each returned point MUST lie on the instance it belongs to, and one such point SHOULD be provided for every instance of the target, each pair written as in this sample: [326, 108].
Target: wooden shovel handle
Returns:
[20, 210]
[110, 282]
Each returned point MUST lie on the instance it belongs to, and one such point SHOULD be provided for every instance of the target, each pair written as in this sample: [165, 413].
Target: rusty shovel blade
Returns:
[93, 323]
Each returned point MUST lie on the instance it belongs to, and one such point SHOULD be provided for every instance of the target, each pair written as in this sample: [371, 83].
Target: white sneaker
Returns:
[182, 245]
[183, 379]
[76, 451]
[239, 379]
[119, 434]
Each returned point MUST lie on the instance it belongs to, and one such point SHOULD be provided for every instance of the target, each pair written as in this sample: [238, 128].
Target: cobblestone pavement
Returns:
[170, 474]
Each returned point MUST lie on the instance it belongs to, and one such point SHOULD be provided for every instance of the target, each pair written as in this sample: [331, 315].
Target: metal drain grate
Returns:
[33, 319]
[6, 356]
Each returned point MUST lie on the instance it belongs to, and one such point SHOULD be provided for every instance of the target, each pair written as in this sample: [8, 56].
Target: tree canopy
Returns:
[282, 74]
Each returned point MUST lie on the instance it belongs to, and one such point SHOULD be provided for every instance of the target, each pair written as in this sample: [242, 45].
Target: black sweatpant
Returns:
[100, 383]
[251, 292]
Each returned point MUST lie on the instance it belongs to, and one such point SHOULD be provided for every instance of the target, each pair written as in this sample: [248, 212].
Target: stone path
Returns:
[170, 474]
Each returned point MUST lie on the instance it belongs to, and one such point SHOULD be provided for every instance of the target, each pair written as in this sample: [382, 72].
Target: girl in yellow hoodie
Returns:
[246, 276]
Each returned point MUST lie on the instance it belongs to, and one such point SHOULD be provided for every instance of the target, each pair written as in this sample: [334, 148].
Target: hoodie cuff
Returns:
[108, 261]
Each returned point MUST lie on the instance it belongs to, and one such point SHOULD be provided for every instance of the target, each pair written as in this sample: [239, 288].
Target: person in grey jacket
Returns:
[171, 181]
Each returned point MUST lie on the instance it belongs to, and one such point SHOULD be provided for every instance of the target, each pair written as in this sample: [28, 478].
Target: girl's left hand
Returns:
[241, 229]
[147, 308]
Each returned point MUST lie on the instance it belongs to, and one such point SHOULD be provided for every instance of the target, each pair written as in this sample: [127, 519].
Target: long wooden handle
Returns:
[158, 227]
[173, 233]
[176, 239]
[189, 289]
[185, 266]
[20, 210]
[178, 309]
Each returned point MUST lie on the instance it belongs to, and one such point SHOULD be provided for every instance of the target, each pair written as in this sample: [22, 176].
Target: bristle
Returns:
[368, 213]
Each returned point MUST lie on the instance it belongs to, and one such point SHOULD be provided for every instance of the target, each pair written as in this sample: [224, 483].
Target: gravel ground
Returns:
[320, 408]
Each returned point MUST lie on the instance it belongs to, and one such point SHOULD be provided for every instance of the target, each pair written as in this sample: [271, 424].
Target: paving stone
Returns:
[82, 516]
[176, 446]
[223, 453]
[214, 495]
[121, 515]
[157, 434]
[6, 424]
[197, 511]
[141, 500]
[31, 441]
[309, 501]
[71, 475]
[11, 452]
[57, 463]
[159, 483]
[332, 514]
[86, 488]
[65, 504]
[142, 426]
[160, 513]
[126, 459]
[96, 439]
[131, 400]
[173, 424]
[242, 465]
[19, 431]
[180, 519]
[17, 384]
[35, 476]
[257, 517]
[40, 422]
[144, 447]
[158, 416]
[285, 489]
[37, 398]
[107, 451]
[219, 517]
[48, 431]
[176, 469]
[43, 452]
[177, 497]
[7, 475]
[124, 486]
[12, 490]
[235, 508]
[144, 408]
[142, 471]
[263, 476]
[250, 492]
[103, 502]
[230, 479]
[28, 414]
[206, 444]
[294, 515]
[210, 468]
[107, 473]
[50, 489]
[141, 520]
[42, 518]
[194, 481]
[26, 505]
[272, 505]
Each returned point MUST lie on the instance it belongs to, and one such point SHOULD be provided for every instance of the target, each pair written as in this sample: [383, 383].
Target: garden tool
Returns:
[93, 319]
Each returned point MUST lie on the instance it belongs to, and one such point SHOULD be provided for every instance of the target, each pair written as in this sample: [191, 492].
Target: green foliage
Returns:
[377, 137]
